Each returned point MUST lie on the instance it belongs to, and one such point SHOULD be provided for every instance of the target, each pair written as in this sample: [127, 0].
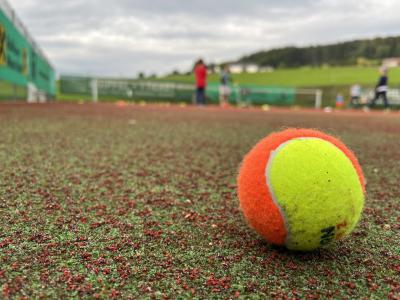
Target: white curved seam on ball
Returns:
[269, 185]
[271, 190]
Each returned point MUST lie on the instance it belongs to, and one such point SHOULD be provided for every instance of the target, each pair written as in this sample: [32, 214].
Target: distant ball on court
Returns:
[301, 188]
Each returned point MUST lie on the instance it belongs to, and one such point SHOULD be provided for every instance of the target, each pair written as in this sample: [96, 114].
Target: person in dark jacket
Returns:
[381, 89]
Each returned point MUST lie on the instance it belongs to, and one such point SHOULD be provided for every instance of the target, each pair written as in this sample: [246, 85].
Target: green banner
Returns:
[20, 63]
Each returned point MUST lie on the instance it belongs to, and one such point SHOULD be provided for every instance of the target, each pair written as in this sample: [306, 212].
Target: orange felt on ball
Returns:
[255, 198]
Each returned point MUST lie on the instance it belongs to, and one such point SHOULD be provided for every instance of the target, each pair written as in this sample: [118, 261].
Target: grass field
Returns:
[307, 77]
[100, 201]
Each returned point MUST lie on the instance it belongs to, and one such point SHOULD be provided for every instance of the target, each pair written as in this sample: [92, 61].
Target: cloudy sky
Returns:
[123, 37]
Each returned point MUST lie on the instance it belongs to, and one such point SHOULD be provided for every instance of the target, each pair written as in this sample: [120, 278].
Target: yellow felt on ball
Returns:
[317, 189]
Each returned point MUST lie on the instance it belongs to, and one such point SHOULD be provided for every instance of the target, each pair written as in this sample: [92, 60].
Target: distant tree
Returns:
[346, 53]
[141, 75]
[212, 67]
[176, 72]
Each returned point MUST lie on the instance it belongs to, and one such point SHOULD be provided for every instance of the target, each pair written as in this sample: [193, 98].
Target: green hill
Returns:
[306, 77]
[338, 54]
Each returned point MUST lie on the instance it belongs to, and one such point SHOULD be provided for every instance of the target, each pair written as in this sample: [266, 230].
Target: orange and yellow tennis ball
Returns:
[301, 188]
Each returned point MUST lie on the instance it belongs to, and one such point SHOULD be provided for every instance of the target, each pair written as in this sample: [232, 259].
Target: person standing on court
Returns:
[200, 72]
[381, 88]
[355, 95]
[224, 90]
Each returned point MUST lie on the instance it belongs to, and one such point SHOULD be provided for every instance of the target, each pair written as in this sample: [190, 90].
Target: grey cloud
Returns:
[127, 36]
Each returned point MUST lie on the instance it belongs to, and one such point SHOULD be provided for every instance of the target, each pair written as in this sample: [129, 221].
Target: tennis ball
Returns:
[265, 107]
[301, 188]
[120, 103]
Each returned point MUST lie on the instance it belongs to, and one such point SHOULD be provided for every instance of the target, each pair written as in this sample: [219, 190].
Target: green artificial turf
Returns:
[307, 77]
[100, 201]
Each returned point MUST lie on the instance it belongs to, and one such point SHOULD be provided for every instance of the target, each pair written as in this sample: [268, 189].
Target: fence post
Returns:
[95, 91]
[318, 99]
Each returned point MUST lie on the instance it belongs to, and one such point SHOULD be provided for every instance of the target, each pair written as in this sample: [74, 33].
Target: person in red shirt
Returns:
[200, 72]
